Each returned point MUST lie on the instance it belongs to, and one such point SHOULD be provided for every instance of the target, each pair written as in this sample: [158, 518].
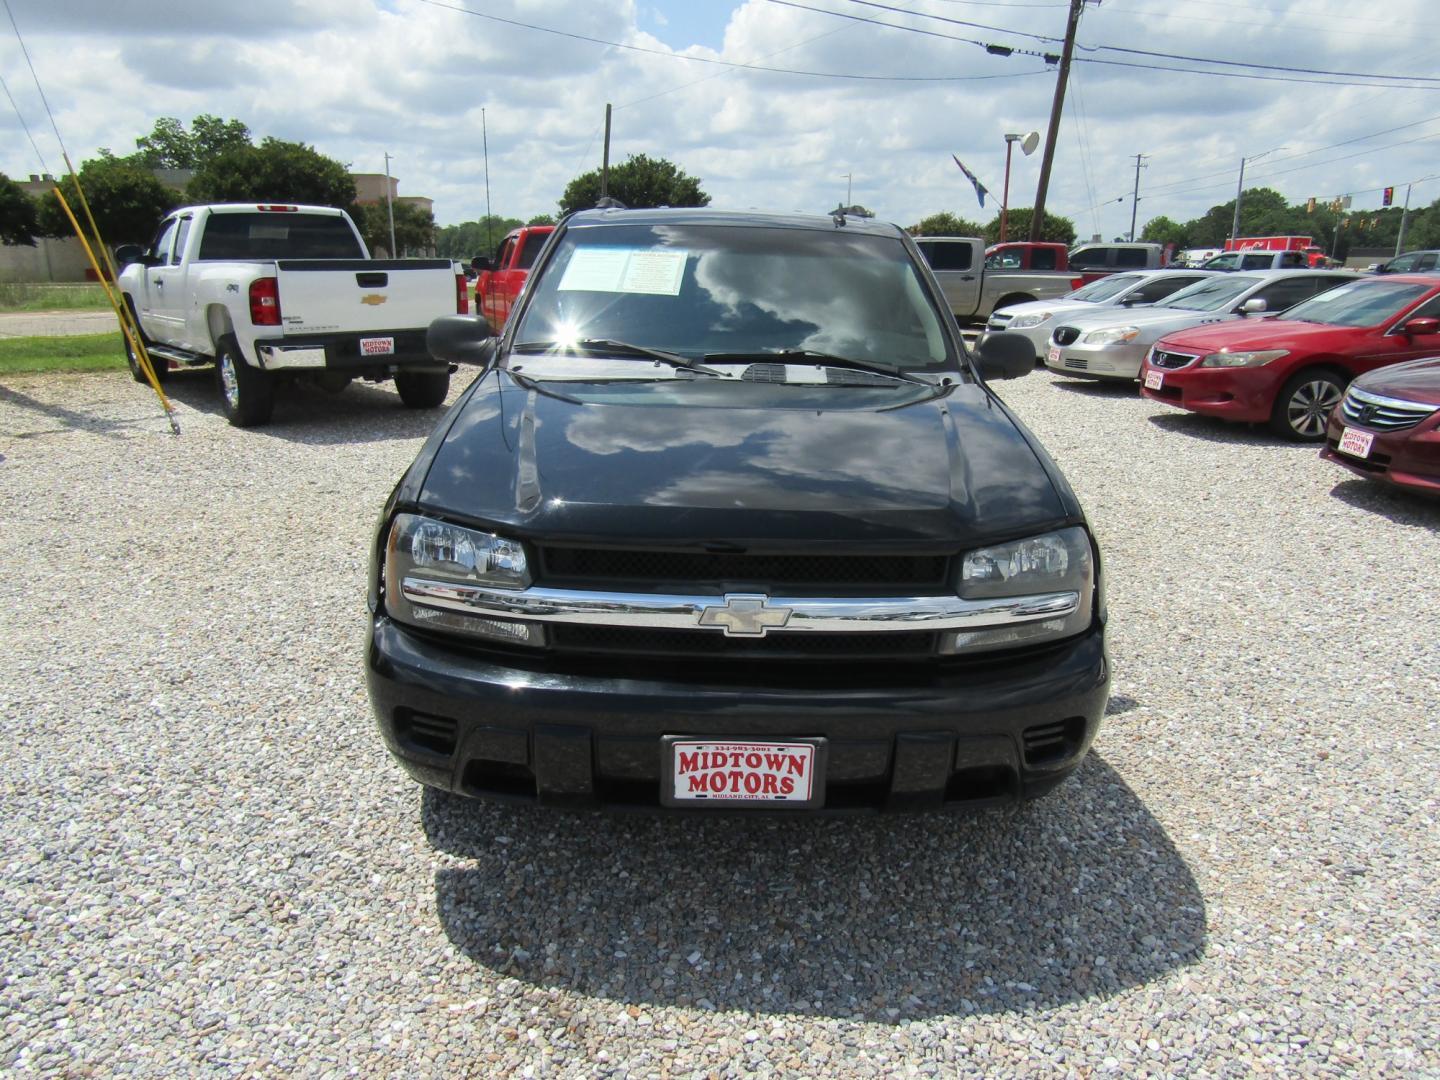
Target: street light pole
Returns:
[1135, 200]
[849, 184]
[1005, 192]
[1240, 186]
[389, 208]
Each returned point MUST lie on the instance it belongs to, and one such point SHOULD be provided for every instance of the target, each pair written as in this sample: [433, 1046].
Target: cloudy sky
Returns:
[763, 100]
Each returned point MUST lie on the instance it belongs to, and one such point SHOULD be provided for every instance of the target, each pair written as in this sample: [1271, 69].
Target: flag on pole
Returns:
[980, 189]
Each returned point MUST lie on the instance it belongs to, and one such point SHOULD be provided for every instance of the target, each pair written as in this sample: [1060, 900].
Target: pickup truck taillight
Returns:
[265, 301]
[462, 297]
[1076, 282]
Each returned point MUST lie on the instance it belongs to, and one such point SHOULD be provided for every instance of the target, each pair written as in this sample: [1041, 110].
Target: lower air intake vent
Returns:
[1046, 744]
[432, 734]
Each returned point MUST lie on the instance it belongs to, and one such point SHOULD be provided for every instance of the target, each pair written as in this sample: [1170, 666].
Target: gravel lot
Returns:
[211, 865]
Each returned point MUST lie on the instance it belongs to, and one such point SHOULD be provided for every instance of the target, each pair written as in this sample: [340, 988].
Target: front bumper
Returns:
[343, 352]
[1408, 459]
[1118, 360]
[920, 736]
[1246, 395]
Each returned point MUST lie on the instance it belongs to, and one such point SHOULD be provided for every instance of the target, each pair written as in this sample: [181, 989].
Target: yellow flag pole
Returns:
[128, 326]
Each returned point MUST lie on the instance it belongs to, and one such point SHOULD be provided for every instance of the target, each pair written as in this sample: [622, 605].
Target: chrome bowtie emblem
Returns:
[745, 616]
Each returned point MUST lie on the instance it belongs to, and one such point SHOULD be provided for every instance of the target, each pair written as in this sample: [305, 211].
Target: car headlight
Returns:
[1255, 358]
[1025, 322]
[1111, 334]
[431, 567]
[1055, 570]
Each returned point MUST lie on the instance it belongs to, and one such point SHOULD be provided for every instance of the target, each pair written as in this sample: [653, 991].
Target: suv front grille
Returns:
[727, 571]
[1163, 358]
[713, 645]
[1381, 413]
[1066, 335]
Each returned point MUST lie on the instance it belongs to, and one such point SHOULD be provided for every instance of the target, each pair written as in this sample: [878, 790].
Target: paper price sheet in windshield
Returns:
[624, 270]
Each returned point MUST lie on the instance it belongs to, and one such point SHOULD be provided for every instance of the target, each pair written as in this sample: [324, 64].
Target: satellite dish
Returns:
[1031, 141]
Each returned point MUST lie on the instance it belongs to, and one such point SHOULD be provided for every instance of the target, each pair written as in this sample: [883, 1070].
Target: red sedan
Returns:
[1292, 371]
[1388, 427]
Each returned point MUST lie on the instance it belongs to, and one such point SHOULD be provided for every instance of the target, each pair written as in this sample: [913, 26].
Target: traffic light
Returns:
[1310, 206]
[1389, 197]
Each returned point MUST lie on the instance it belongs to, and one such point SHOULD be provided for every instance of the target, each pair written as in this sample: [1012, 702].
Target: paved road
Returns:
[55, 323]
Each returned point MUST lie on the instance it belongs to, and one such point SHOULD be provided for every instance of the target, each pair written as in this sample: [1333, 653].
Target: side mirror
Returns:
[126, 254]
[1005, 356]
[1416, 327]
[461, 339]
[1253, 306]
[481, 263]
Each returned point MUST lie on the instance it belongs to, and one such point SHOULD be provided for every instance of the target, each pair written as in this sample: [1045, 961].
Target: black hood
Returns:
[689, 462]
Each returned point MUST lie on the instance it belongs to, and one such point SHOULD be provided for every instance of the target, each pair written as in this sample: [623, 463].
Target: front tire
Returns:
[247, 394]
[1303, 406]
[162, 369]
[422, 389]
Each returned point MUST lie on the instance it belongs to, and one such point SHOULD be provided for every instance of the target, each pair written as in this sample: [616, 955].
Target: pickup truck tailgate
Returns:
[325, 295]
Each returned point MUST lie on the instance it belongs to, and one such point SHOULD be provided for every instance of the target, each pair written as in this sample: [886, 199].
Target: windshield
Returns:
[1210, 294]
[1105, 288]
[1360, 303]
[1224, 262]
[696, 290]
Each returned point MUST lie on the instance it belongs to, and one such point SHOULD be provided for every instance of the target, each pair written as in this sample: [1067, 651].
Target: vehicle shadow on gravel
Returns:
[361, 413]
[1079, 895]
[1401, 507]
[1100, 388]
[1211, 429]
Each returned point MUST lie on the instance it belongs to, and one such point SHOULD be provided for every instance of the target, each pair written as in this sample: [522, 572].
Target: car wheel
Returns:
[422, 389]
[1304, 404]
[162, 369]
[247, 394]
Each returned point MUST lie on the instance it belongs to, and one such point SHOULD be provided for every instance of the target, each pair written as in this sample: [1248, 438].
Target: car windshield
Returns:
[736, 290]
[1359, 303]
[1105, 288]
[1224, 262]
[1210, 294]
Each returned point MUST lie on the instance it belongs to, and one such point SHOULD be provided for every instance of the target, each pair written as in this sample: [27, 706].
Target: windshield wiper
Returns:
[820, 359]
[625, 349]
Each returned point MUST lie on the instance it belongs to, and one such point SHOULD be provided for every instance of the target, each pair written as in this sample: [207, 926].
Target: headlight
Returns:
[1243, 359]
[1112, 334]
[1025, 322]
[1047, 566]
[431, 566]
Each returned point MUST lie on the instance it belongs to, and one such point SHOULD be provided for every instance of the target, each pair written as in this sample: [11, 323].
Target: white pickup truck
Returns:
[273, 293]
[972, 291]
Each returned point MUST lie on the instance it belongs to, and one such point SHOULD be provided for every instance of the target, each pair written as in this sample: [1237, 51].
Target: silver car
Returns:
[1036, 318]
[1110, 344]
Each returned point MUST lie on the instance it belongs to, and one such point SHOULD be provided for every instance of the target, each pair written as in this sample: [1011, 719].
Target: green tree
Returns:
[944, 224]
[1424, 230]
[471, 238]
[638, 182]
[274, 171]
[170, 146]
[542, 219]
[19, 219]
[1055, 230]
[414, 227]
[127, 202]
[1161, 230]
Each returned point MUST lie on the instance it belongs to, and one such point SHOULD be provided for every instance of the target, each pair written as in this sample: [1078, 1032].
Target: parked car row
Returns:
[1319, 355]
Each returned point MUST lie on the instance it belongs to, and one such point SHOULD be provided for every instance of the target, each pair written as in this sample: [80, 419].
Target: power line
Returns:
[718, 62]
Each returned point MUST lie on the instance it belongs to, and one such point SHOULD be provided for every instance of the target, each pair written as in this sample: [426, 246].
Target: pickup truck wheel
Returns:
[422, 389]
[246, 393]
[1303, 406]
[162, 369]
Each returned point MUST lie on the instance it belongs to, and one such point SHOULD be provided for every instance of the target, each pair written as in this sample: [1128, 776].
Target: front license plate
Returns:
[1154, 380]
[1053, 356]
[377, 346]
[1356, 443]
[734, 773]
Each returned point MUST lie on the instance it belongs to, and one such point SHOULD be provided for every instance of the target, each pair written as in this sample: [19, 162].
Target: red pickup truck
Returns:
[1021, 255]
[502, 277]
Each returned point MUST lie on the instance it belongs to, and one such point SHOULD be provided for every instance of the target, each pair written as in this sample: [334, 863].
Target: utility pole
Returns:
[1404, 222]
[1038, 220]
[389, 208]
[485, 143]
[1135, 202]
[1240, 187]
[849, 178]
[605, 161]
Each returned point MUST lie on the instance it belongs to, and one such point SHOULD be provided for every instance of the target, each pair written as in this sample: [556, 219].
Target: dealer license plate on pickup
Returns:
[1356, 443]
[377, 346]
[755, 775]
[1154, 380]
[1053, 356]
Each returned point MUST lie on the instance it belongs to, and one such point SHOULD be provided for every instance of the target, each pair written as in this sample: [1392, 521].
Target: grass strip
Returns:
[17, 296]
[77, 352]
